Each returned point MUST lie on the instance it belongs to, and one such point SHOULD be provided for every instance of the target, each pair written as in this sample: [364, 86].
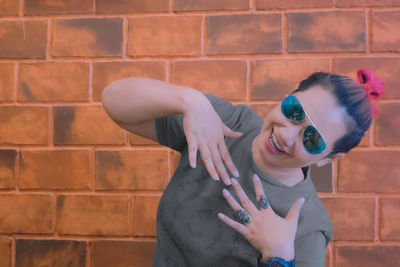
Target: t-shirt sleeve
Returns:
[310, 250]
[170, 130]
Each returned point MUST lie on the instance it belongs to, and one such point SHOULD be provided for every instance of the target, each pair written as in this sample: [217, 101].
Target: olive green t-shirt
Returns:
[189, 232]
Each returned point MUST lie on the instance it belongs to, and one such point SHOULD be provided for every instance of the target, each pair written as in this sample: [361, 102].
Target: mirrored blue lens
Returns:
[292, 109]
[313, 141]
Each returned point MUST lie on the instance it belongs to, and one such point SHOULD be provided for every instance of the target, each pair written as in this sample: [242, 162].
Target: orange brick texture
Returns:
[77, 190]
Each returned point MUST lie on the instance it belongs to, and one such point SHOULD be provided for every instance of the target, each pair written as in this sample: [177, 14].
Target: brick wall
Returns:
[76, 190]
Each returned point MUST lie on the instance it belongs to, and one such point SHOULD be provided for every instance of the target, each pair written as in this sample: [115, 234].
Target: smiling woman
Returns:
[321, 120]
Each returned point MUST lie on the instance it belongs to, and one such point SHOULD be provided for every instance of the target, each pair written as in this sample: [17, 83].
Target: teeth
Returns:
[276, 143]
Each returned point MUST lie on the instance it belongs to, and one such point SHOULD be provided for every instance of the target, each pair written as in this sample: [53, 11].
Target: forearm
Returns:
[137, 100]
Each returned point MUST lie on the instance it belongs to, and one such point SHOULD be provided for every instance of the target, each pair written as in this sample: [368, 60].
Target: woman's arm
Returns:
[135, 103]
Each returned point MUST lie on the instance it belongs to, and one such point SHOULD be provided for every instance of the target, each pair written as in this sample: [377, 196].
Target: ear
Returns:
[325, 161]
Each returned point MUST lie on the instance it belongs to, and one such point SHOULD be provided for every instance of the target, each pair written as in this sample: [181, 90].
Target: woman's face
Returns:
[326, 116]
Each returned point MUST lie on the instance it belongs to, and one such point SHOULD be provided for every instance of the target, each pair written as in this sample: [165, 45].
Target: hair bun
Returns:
[374, 86]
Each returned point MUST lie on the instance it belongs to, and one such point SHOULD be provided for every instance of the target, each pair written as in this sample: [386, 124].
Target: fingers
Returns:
[246, 202]
[226, 157]
[220, 166]
[192, 153]
[207, 159]
[235, 225]
[229, 133]
[258, 187]
[293, 214]
[232, 202]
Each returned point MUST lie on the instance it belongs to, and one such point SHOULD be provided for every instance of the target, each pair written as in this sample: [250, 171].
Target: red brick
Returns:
[277, 4]
[44, 7]
[352, 218]
[26, 214]
[244, 33]
[7, 168]
[131, 6]
[6, 82]
[23, 39]
[369, 171]
[388, 124]
[385, 36]
[262, 110]
[93, 215]
[386, 68]
[328, 31]
[79, 125]
[167, 35]
[364, 3]
[55, 169]
[54, 81]
[138, 140]
[9, 8]
[50, 253]
[176, 158]
[123, 253]
[183, 5]
[107, 72]
[273, 78]
[144, 215]
[322, 177]
[24, 125]
[5, 252]
[130, 170]
[390, 228]
[88, 37]
[367, 256]
[223, 78]
[365, 141]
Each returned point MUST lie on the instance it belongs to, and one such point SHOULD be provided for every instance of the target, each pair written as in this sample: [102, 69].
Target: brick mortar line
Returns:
[90, 83]
[171, 5]
[15, 89]
[92, 170]
[252, 5]
[342, 243]
[50, 129]
[378, 218]
[158, 148]
[12, 250]
[249, 81]
[99, 104]
[52, 192]
[200, 12]
[203, 36]
[359, 195]
[80, 238]
[21, 6]
[368, 31]
[125, 35]
[285, 34]
[290, 55]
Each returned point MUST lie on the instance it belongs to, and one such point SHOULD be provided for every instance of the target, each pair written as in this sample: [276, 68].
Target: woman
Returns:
[321, 120]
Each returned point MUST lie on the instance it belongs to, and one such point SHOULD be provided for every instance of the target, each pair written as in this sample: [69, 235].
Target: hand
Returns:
[271, 234]
[204, 130]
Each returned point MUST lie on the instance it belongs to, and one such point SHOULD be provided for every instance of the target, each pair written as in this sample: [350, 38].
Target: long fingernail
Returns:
[216, 177]
[228, 181]
[236, 173]
[225, 192]
[234, 181]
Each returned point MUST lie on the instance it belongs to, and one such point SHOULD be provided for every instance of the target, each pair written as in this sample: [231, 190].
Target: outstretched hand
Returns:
[205, 131]
[271, 234]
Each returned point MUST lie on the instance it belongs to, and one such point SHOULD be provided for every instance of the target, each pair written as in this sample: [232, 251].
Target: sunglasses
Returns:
[313, 141]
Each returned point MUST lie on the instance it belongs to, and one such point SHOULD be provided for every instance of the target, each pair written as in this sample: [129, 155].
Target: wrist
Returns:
[190, 99]
[286, 253]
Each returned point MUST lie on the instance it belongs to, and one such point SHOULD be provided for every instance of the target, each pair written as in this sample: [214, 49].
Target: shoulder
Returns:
[314, 217]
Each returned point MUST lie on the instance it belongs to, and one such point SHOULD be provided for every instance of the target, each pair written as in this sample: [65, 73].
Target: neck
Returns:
[287, 176]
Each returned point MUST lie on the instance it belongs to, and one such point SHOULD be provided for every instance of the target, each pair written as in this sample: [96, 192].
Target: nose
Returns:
[287, 136]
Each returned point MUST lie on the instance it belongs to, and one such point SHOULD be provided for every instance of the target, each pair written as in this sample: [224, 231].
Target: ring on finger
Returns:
[243, 216]
[263, 203]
